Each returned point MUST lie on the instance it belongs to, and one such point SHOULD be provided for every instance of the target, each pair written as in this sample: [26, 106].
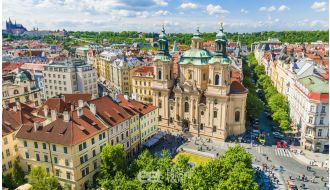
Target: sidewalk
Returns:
[308, 158]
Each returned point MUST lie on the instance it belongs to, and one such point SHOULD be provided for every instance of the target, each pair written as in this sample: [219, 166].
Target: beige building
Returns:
[20, 90]
[141, 84]
[69, 76]
[205, 100]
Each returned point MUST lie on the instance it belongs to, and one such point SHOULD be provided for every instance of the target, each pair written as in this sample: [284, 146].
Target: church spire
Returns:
[163, 42]
[220, 42]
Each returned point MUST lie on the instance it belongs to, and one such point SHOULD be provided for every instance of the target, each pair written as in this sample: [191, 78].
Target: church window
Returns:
[215, 114]
[190, 74]
[170, 74]
[186, 98]
[16, 92]
[202, 113]
[237, 116]
[171, 107]
[214, 129]
[159, 94]
[201, 126]
[204, 76]
[217, 79]
[159, 75]
[186, 107]
[215, 101]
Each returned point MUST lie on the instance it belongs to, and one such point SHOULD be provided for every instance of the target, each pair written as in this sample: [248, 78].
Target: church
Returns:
[204, 100]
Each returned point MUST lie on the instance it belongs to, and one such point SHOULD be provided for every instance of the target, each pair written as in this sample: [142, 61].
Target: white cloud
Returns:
[319, 6]
[161, 13]
[244, 11]
[188, 6]
[268, 9]
[161, 2]
[215, 9]
[283, 8]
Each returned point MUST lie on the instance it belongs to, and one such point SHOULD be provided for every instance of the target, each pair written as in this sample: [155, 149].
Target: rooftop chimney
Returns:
[80, 112]
[46, 111]
[126, 97]
[18, 104]
[36, 125]
[80, 103]
[92, 107]
[14, 108]
[53, 114]
[72, 107]
[66, 116]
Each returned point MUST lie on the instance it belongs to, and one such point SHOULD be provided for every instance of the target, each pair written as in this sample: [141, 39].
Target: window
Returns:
[54, 147]
[122, 136]
[16, 148]
[202, 113]
[9, 164]
[25, 144]
[214, 129]
[57, 173]
[323, 109]
[159, 104]
[27, 156]
[35, 145]
[310, 120]
[204, 76]
[217, 79]
[190, 75]
[4, 168]
[66, 162]
[37, 157]
[55, 160]
[312, 108]
[321, 120]
[215, 114]
[159, 75]
[201, 126]
[319, 132]
[93, 141]
[65, 149]
[94, 152]
[68, 175]
[5, 140]
[112, 142]
[95, 165]
[29, 167]
[186, 107]
[44, 146]
[7, 152]
[46, 158]
[237, 116]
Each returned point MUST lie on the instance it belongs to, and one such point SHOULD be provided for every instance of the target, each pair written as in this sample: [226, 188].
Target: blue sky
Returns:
[177, 15]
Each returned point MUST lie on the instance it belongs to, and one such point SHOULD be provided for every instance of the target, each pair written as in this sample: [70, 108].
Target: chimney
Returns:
[36, 125]
[46, 111]
[66, 116]
[126, 97]
[72, 107]
[14, 108]
[80, 112]
[18, 105]
[80, 103]
[53, 114]
[92, 107]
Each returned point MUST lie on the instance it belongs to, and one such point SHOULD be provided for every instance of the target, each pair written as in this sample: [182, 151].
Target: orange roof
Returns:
[318, 96]
[144, 70]
[74, 98]
[137, 106]
[54, 104]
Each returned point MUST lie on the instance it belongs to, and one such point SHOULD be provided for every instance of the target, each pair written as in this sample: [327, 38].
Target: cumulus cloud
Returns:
[215, 9]
[244, 11]
[188, 6]
[283, 8]
[161, 2]
[268, 9]
[161, 13]
[319, 6]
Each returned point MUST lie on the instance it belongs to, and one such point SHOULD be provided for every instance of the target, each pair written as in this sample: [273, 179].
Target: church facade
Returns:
[203, 100]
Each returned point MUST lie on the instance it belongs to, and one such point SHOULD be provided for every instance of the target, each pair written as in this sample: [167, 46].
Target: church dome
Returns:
[195, 56]
[221, 35]
[20, 77]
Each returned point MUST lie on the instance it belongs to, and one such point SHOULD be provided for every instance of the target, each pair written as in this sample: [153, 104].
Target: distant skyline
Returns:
[178, 16]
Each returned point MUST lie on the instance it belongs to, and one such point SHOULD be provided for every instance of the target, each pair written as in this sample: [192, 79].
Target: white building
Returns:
[69, 76]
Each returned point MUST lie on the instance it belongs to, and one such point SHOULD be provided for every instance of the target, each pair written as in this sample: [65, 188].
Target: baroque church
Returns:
[204, 100]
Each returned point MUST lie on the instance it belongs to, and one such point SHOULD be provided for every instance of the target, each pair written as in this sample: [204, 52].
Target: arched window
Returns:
[186, 107]
[159, 75]
[217, 79]
[237, 116]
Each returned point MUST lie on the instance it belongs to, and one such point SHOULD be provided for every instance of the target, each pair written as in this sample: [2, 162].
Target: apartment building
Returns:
[20, 89]
[68, 146]
[141, 84]
[15, 115]
[69, 76]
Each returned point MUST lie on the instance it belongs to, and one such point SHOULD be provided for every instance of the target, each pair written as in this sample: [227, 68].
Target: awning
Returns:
[153, 140]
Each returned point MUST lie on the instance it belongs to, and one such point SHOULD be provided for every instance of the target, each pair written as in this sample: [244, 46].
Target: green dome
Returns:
[20, 77]
[197, 34]
[195, 57]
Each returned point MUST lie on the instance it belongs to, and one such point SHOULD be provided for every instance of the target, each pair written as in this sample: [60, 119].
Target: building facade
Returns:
[69, 76]
[203, 100]
[141, 83]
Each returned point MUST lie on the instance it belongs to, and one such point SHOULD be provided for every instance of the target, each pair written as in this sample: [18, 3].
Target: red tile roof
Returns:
[144, 70]
[72, 132]
[110, 111]
[54, 104]
[137, 106]
[74, 98]
[319, 96]
[11, 67]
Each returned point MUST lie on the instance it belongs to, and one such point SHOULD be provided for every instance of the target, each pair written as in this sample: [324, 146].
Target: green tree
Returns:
[14, 177]
[113, 160]
[254, 106]
[41, 180]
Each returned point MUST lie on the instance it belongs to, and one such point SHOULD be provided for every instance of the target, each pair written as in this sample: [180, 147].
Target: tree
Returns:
[15, 176]
[254, 105]
[113, 160]
[277, 101]
[41, 180]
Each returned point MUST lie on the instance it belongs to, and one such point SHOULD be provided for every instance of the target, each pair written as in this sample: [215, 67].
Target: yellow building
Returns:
[13, 117]
[68, 147]
[141, 84]
[20, 90]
